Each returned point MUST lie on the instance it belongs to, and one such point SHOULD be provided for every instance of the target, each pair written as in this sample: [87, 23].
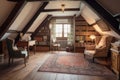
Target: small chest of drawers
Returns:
[115, 57]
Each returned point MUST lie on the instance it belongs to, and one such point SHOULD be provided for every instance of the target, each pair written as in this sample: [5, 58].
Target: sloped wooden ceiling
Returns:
[104, 14]
[23, 18]
[28, 25]
[12, 16]
[113, 6]
[30, 9]
[5, 9]
[18, 25]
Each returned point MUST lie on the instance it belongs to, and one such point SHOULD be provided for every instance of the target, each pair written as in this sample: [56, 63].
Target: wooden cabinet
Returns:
[115, 58]
[115, 62]
[42, 48]
[79, 49]
[43, 39]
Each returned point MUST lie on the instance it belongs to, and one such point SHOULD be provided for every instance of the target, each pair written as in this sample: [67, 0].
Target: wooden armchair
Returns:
[101, 50]
[15, 53]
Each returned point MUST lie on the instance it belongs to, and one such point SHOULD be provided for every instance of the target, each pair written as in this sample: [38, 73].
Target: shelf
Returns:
[83, 31]
[43, 39]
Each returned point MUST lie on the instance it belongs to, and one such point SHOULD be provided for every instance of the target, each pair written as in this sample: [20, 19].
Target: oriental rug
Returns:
[73, 63]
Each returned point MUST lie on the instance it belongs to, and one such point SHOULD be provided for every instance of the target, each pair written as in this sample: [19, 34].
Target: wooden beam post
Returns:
[11, 18]
[67, 9]
[32, 20]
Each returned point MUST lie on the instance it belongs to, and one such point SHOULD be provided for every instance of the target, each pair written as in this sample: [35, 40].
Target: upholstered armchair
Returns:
[101, 49]
[15, 53]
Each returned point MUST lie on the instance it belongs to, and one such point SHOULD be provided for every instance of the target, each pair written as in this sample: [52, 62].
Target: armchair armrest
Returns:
[19, 53]
[101, 52]
[103, 48]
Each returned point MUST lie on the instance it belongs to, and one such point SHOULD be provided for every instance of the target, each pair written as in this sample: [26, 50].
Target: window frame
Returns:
[63, 32]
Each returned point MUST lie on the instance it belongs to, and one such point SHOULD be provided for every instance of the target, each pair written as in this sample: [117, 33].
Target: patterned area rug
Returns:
[73, 63]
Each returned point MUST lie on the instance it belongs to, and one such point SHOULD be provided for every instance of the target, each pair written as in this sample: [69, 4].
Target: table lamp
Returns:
[92, 37]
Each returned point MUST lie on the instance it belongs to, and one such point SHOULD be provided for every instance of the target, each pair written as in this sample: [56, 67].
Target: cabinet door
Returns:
[118, 63]
[115, 62]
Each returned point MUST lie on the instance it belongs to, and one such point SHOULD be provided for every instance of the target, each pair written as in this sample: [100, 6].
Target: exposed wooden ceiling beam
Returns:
[41, 25]
[104, 14]
[32, 20]
[62, 17]
[11, 18]
[66, 9]
[13, 31]
[16, 31]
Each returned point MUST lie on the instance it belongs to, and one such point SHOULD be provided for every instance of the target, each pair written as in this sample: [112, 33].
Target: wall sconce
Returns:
[63, 7]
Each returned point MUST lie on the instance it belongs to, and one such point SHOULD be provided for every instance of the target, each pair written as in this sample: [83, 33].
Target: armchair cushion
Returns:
[89, 52]
[102, 49]
[24, 52]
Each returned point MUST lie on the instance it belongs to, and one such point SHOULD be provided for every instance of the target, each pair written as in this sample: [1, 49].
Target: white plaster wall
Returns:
[24, 17]
[89, 15]
[37, 22]
[111, 32]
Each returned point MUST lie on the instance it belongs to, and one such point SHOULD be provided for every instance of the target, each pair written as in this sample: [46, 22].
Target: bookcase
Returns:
[43, 39]
[82, 33]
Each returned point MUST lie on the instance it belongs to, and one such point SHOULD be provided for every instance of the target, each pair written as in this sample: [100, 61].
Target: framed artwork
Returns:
[102, 25]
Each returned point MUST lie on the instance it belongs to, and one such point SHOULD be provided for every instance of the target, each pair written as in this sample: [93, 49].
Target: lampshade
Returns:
[92, 37]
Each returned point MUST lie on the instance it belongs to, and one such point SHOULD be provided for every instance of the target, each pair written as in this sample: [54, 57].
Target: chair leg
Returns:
[93, 59]
[12, 60]
[84, 55]
[25, 61]
[9, 61]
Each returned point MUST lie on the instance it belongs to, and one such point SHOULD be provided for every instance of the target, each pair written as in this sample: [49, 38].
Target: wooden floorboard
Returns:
[18, 71]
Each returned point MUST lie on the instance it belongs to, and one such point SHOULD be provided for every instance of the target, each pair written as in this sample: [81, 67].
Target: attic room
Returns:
[59, 40]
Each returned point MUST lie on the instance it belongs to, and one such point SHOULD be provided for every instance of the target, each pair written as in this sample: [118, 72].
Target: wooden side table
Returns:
[80, 49]
[115, 58]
